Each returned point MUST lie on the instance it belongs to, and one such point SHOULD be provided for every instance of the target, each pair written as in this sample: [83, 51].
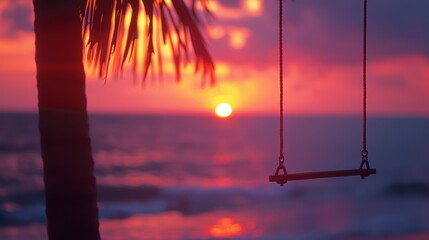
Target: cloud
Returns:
[399, 27]
[331, 31]
[251, 23]
[15, 17]
[334, 28]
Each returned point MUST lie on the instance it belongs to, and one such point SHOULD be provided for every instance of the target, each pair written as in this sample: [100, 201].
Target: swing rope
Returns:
[281, 166]
[281, 156]
[364, 152]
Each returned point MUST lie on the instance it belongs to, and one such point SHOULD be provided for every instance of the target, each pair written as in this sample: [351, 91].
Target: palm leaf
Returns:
[112, 38]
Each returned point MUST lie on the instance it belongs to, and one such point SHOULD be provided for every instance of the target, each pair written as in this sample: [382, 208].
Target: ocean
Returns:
[201, 177]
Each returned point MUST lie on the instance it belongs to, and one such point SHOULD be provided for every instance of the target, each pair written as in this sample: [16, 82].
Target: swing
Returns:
[281, 176]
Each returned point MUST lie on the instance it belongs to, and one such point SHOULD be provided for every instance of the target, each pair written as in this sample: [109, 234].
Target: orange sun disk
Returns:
[223, 110]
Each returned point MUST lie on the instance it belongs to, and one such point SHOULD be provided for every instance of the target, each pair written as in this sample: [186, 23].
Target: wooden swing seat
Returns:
[284, 178]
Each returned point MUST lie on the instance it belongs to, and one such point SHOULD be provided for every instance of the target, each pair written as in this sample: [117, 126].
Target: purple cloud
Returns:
[331, 32]
[16, 17]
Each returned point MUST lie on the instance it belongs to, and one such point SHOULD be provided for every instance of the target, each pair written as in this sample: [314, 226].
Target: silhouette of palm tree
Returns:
[70, 186]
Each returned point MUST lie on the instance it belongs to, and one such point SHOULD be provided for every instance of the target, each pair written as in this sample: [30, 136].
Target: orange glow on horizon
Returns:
[225, 228]
[17, 55]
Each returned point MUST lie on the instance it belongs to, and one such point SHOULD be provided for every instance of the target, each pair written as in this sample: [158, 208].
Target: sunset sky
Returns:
[323, 62]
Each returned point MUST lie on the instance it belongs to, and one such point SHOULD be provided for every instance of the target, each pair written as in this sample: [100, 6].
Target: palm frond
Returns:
[112, 29]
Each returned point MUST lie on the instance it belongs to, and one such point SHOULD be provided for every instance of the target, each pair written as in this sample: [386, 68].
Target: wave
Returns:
[17, 147]
[127, 194]
[402, 189]
[23, 198]
[118, 202]
[21, 216]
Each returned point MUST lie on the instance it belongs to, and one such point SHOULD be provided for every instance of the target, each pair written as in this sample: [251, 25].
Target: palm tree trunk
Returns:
[70, 189]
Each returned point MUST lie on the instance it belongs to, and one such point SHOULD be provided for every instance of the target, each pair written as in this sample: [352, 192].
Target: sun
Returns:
[223, 110]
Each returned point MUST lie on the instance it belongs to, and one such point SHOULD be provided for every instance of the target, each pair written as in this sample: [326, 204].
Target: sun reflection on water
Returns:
[225, 228]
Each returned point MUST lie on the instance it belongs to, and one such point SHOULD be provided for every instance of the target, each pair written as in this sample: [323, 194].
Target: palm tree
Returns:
[70, 186]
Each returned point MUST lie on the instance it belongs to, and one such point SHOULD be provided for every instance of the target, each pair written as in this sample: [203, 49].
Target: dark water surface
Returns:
[193, 177]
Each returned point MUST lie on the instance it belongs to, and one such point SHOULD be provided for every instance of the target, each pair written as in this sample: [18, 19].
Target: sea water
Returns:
[200, 177]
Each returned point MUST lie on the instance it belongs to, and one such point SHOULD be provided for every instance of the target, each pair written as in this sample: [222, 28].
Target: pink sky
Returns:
[323, 62]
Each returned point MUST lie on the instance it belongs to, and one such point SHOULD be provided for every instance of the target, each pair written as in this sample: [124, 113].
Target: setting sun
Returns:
[223, 110]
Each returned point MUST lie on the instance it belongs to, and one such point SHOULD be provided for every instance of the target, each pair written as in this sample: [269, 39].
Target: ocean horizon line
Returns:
[234, 115]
